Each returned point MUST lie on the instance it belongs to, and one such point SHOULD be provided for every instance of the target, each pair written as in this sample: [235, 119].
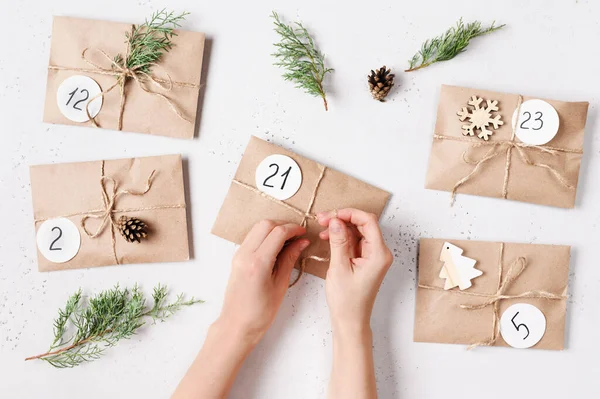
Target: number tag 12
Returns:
[522, 325]
[278, 176]
[58, 240]
[73, 96]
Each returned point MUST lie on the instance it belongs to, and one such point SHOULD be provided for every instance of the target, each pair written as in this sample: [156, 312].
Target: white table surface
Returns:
[549, 49]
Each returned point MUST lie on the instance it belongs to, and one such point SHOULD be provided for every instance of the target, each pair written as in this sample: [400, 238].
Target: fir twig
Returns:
[109, 317]
[297, 53]
[150, 40]
[447, 46]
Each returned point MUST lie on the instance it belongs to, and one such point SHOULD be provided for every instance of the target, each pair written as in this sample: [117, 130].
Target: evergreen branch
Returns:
[150, 40]
[109, 317]
[447, 46]
[297, 53]
[60, 323]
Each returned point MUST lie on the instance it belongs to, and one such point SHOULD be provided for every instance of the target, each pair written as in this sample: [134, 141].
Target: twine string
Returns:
[306, 216]
[122, 73]
[500, 147]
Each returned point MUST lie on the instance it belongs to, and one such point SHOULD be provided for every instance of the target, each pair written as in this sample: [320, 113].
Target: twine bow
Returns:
[516, 268]
[306, 215]
[500, 147]
[109, 197]
[123, 73]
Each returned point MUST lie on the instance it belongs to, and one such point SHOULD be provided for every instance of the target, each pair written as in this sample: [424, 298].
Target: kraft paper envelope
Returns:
[75, 190]
[438, 314]
[520, 181]
[243, 207]
[142, 112]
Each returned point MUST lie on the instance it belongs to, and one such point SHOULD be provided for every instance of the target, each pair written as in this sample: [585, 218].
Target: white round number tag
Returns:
[73, 95]
[279, 176]
[58, 240]
[522, 325]
[537, 123]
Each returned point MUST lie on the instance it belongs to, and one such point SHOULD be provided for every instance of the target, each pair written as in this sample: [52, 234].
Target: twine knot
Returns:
[110, 194]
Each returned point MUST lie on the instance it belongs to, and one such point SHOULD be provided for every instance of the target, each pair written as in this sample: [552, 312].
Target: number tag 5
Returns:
[278, 176]
[522, 325]
[537, 122]
[58, 240]
[73, 95]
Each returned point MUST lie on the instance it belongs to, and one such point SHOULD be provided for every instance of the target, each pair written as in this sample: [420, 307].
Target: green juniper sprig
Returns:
[447, 46]
[107, 318]
[296, 52]
[150, 40]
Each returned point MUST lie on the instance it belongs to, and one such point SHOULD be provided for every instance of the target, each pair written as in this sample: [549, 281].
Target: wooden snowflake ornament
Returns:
[480, 117]
[458, 270]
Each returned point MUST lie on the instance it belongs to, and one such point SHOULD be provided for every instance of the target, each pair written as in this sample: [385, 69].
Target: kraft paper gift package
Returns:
[162, 103]
[93, 195]
[504, 166]
[533, 273]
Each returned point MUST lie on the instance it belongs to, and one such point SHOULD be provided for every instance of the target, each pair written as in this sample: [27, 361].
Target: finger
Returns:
[258, 233]
[366, 223]
[354, 238]
[287, 259]
[273, 243]
[339, 241]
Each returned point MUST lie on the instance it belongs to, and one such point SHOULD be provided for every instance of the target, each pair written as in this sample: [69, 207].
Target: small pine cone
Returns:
[380, 83]
[132, 229]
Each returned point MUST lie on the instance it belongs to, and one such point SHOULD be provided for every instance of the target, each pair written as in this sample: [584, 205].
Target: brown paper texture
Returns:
[143, 112]
[439, 317]
[243, 208]
[65, 189]
[526, 183]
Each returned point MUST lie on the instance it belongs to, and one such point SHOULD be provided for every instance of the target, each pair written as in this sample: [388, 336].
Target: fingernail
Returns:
[321, 215]
[304, 245]
[335, 225]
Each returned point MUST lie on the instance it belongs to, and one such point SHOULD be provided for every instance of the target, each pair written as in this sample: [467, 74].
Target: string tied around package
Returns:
[514, 271]
[122, 73]
[506, 147]
[109, 188]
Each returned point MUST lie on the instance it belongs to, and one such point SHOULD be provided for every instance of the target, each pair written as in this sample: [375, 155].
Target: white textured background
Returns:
[549, 49]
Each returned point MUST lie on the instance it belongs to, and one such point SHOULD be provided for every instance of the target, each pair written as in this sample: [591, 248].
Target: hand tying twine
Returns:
[306, 215]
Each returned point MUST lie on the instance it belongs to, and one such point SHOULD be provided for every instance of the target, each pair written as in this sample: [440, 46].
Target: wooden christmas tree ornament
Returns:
[480, 118]
[132, 229]
[458, 270]
[380, 83]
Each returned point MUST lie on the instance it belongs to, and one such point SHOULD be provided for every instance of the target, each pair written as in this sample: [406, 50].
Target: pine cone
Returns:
[132, 229]
[380, 83]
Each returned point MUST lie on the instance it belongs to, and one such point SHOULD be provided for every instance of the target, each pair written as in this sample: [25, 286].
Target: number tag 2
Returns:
[73, 95]
[58, 240]
[278, 176]
[522, 325]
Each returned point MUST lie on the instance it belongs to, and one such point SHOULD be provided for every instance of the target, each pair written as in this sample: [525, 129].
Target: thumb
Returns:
[339, 240]
[287, 259]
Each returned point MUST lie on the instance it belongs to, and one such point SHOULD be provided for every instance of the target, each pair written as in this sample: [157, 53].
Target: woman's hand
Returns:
[260, 276]
[359, 261]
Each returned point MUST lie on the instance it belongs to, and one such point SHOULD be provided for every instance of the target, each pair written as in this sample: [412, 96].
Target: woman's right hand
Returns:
[359, 261]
